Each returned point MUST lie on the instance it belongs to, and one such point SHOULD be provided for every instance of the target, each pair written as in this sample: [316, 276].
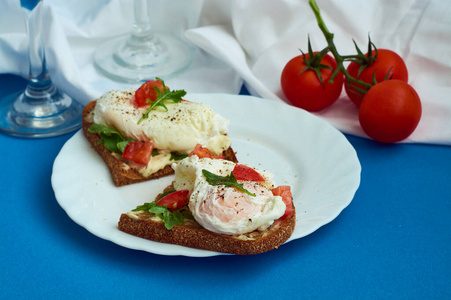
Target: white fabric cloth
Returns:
[265, 34]
[73, 29]
[249, 40]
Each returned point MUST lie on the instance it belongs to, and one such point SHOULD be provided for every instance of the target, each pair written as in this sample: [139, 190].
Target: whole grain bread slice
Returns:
[120, 170]
[145, 225]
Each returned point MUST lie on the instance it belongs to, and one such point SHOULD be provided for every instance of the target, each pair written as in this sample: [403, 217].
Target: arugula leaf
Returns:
[121, 145]
[228, 181]
[156, 209]
[169, 218]
[110, 142]
[98, 128]
[145, 207]
[111, 139]
[177, 156]
[163, 97]
[165, 194]
[155, 152]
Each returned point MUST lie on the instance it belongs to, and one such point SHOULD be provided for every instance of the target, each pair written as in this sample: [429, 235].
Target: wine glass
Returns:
[41, 110]
[143, 54]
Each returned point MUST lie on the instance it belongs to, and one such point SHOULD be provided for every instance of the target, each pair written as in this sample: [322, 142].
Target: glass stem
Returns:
[143, 47]
[142, 28]
[39, 79]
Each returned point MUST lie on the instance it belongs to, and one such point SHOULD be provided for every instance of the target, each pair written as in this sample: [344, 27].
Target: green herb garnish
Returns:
[228, 181]
[163, 97]
[177, 156]
[111, 139]
[148, 206]
[169, 218]
[165, 194]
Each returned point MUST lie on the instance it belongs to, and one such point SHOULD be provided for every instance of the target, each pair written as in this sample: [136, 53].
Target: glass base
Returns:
[24, 115]
[132, 60]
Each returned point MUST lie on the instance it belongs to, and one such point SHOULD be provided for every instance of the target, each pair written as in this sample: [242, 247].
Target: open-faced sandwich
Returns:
[216, 205]
[140, 133]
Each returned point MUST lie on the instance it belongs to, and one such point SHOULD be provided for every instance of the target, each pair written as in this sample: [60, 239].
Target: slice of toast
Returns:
[145, 225]
[121, 172]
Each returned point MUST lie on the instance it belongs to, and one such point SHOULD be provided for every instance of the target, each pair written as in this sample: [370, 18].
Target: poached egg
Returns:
[227, 210]
[179, 129]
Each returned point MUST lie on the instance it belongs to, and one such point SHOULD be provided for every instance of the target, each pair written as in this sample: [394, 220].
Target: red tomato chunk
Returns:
[175, 200]
[284, 191]
[243, 172]
[147, 91]
[138, 152]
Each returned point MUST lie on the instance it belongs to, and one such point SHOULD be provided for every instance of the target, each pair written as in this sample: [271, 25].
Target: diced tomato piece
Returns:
[201, 152]
[138, 152]
[147, 91]
[219, 156]
[243, 172]
[284, 191]
[175, 200]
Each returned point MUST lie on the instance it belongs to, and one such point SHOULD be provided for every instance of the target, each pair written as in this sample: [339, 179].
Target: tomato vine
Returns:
[339, 58]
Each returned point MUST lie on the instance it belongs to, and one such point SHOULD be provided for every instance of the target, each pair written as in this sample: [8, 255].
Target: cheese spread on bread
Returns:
[227, 210]
[157, 162]
[178, 129]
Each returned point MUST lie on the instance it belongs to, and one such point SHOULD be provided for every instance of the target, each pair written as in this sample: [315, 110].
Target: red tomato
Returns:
[390, 111]
[284, 191]
[242, 172]
[138, 152]
[387, 61]
[219, 156]
[201, 152]
[175, 200]
[146, 91]
[304, 89]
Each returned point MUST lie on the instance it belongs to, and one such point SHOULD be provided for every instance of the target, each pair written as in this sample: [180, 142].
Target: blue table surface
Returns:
[392, 241]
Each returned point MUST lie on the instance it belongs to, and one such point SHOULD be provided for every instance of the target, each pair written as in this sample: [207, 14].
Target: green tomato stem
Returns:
[330, 42]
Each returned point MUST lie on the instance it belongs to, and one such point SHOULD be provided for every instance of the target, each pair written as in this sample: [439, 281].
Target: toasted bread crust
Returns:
[125, 176]
[191, 234]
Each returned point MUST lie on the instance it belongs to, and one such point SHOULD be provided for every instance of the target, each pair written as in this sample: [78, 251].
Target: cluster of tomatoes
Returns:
[389, 110]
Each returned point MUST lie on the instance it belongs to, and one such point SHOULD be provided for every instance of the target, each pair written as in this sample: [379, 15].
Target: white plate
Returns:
[300, 149]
